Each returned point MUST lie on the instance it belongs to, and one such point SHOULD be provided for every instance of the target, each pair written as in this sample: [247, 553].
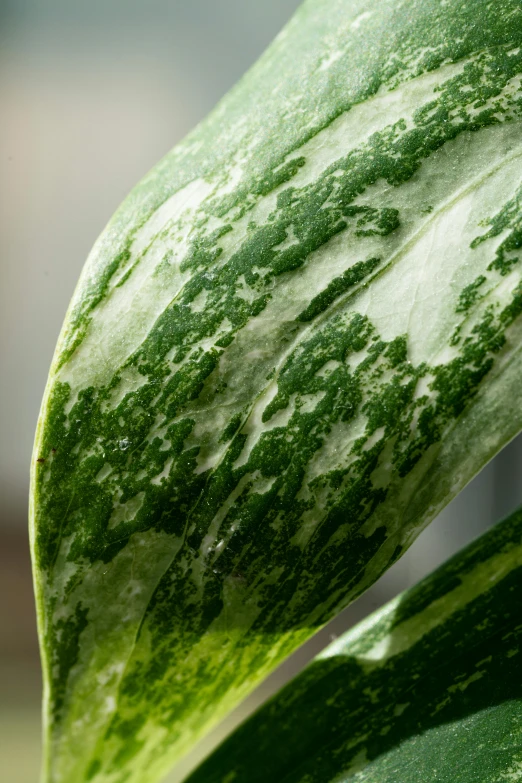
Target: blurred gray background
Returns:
[92, 94]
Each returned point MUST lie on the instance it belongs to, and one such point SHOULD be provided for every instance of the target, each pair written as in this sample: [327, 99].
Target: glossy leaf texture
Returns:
[294, 343]
[426, 689]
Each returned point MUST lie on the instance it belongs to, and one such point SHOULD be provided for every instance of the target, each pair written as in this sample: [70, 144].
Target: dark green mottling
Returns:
[271, 543]
[65, 646]
[447, 708]
[470, 294]
[508, 219]
[402, 41]
[93, 295]
[339, 286]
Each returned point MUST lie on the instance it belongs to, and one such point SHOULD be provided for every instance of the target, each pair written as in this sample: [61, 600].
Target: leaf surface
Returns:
[294, 343]
[426, 689]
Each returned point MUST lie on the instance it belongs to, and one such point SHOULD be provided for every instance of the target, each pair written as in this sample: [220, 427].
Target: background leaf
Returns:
[294, 343]
[427, 688]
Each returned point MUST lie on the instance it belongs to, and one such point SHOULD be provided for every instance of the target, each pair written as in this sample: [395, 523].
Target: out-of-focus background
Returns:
[92, 94]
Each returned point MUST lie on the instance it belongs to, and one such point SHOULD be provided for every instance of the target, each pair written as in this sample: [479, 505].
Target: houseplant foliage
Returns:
[428, 688]
[293, 344]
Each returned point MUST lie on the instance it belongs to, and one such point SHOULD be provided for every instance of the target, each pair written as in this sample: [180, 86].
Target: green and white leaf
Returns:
[294, 343]
[426, 689]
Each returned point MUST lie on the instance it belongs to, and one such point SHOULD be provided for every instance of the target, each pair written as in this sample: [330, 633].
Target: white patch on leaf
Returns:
[126, 512]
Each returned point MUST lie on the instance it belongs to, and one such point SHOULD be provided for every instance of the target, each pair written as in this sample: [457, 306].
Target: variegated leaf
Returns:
[426, 689]
[293, 344]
